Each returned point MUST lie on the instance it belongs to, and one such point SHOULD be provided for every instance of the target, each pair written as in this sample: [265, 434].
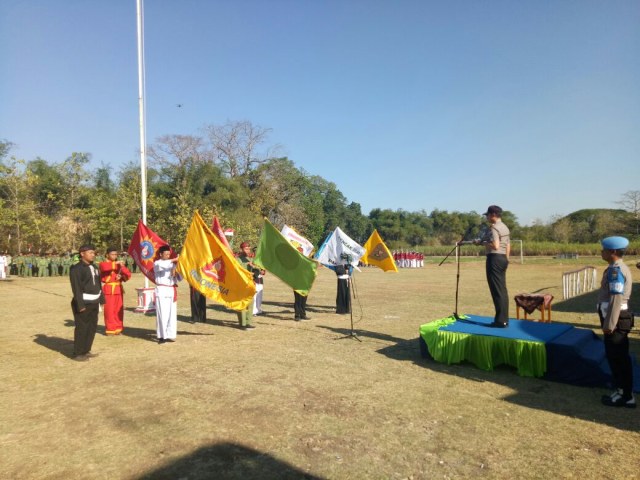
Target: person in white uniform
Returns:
[3, 266]
[164, 270]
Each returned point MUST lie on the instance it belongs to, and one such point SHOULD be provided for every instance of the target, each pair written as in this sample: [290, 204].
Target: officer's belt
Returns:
[90, 296]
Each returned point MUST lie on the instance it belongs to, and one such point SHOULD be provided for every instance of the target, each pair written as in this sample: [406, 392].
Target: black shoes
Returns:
[498, 325]
[617, 399]
[305, 318]
[80, 358]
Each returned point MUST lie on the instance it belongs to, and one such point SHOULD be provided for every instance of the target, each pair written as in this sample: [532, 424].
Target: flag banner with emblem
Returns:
[211, 268]
[378, 254]
[339, 249]
[276, 255]
[216, 228]
[143, 248]
[301, 244]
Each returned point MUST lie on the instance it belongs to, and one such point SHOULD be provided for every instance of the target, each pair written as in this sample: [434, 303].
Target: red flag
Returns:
[216, 228]
[143, 248]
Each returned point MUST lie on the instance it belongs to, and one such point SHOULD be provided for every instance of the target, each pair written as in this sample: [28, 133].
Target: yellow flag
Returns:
[210, 268]
[378, 254]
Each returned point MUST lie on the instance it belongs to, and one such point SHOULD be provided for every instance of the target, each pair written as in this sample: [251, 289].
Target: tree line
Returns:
[233, 172]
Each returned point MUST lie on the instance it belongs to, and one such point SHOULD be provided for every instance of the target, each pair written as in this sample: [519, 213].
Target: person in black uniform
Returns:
[300, 307]
[198, 306]
[343, 297]
[87, 297]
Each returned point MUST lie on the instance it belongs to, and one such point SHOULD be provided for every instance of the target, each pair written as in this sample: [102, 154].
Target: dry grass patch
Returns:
[289, 399]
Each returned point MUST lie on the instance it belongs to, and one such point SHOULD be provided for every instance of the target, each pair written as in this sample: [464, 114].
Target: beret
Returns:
[614, 243]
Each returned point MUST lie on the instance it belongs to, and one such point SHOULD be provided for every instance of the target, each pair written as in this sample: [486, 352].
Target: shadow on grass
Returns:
[345, 332]
[63, 346]
[228, 461]
[135, 332]
[559, 398]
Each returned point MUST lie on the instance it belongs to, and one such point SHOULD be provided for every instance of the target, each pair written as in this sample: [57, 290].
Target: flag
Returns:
[276, 255]
[211, 268]
[143, 248]
[339, 249]
[301, 244]
[378, 254]
[216, 228]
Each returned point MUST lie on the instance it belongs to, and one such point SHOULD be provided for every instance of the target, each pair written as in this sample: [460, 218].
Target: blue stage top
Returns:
[518, 329]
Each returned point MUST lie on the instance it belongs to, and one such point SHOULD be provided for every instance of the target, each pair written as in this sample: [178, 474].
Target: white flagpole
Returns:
[141, 109]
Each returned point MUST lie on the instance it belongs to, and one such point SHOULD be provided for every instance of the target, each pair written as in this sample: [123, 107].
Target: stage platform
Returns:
[553, 351]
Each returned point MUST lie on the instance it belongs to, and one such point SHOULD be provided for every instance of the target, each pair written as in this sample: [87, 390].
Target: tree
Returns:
[630, 201]
[235, 146]
[19, 213]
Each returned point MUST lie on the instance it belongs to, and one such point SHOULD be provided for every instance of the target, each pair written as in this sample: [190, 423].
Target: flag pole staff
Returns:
[141, 112]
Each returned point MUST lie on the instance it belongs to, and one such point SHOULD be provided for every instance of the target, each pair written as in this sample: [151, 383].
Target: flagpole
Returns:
[141, 111]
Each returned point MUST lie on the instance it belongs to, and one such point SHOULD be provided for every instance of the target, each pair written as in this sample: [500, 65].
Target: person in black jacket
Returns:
[87, 297]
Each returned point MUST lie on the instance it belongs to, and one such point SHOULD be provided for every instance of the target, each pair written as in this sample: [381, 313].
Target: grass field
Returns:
[296, 400]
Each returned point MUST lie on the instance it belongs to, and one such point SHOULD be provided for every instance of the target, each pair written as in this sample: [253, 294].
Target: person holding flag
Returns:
[341, 254]
[210, 267]
[305, 247]
[282, 254]
[164, 270]
[245, 316]
[112, 274]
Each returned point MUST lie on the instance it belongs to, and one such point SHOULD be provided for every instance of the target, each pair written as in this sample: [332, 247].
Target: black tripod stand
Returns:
[457, 250]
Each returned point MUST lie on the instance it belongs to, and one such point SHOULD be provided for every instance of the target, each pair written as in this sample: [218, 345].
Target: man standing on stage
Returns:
[87, 296]
[497, 242]
[113, 273]
[617, 321]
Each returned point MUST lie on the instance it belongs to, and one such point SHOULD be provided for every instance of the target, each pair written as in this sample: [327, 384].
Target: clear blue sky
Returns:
[532, 105]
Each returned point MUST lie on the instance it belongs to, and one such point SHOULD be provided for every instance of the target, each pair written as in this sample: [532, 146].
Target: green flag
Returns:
[276, 255]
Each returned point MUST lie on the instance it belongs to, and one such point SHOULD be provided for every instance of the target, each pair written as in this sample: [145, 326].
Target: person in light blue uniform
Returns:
[616, 320]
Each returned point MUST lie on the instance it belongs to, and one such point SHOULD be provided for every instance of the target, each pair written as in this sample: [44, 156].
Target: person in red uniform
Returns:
[113, 273]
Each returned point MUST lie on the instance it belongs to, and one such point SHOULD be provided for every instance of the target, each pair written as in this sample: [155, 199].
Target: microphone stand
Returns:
[457, 250]
[352, 295]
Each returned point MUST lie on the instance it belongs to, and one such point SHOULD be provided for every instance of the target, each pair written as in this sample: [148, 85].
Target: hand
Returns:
[607, 332]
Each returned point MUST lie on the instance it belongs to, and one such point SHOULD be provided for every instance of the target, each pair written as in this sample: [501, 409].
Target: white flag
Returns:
[301, 244]
[339, 249]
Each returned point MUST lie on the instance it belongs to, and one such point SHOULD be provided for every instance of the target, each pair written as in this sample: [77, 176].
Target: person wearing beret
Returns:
[497, 243]
[617, 321]
[87, 297]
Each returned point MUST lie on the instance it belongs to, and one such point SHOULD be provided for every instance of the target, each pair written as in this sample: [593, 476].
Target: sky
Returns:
[403, 104]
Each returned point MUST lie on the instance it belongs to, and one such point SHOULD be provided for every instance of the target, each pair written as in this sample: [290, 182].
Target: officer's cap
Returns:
[614, 243]
[493, 210]
[86, 247]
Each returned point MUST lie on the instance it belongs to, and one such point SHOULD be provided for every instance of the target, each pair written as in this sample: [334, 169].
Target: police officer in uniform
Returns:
[497, 242]
[617, 321]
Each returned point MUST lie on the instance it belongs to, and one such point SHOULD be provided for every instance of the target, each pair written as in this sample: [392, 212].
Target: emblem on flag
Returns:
[215, 270]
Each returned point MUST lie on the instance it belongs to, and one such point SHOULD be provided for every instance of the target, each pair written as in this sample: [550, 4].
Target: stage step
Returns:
[577, 357]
